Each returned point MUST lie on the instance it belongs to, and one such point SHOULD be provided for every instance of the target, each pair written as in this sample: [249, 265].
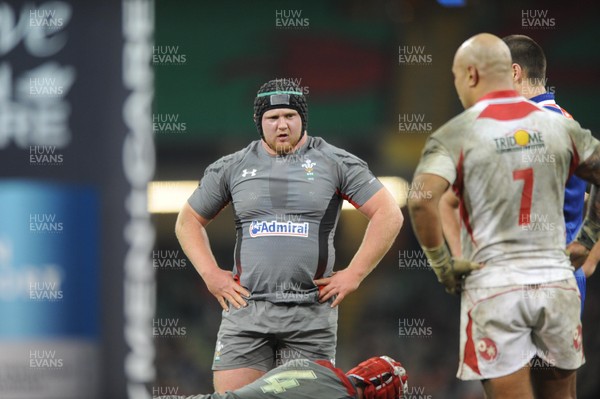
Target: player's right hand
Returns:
[223, 286]
[452, 275]
[449, 271]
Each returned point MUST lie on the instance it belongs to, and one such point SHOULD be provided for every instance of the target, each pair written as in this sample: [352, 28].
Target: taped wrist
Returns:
[588, 234]
[440, 261]
[439, 256]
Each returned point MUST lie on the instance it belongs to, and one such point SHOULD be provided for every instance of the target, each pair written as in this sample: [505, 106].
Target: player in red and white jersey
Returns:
[529, 78]
[508, 161]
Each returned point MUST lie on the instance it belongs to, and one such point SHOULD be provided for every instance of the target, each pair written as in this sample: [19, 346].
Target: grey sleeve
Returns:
[358, 184]
[212, 193]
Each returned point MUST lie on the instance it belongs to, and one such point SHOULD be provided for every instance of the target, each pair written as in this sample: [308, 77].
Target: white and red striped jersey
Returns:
[508, 160]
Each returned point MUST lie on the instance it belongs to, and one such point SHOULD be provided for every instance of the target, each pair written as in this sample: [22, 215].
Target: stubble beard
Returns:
[283, 148]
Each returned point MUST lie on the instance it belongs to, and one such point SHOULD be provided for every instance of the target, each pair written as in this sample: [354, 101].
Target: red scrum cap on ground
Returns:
[381, 378]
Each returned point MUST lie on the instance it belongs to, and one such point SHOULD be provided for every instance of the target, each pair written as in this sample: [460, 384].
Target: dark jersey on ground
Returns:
[286, 208]
[299, 379]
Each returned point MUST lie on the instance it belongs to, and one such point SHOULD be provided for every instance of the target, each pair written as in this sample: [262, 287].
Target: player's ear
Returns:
[517, 73]
[472, 75]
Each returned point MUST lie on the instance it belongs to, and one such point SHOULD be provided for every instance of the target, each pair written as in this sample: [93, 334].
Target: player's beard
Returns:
[283, 148]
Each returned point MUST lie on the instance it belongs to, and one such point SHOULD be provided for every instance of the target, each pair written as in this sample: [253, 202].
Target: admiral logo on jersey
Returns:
[275, 228]
[519, 140]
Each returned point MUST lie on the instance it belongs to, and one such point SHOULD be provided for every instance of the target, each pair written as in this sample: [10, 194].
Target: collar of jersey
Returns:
[543, 97]
[499, 94]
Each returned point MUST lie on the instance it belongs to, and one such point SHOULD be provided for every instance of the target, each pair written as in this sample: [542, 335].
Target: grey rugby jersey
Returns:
[298, 379]
[286, 209]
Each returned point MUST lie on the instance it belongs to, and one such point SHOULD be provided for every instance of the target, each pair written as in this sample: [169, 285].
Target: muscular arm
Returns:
[424, 209]
[591, 262]
[590, 231]
[593, 258]
[451, 221]
[427, 224]
[589, 170]
[191, 233]
[385, 221]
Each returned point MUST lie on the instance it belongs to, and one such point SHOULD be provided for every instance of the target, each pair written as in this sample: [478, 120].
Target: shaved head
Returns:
[481, 64]
[487, 52]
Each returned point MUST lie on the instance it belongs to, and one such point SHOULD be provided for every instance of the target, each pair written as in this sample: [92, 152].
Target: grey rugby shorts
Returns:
[264, 335]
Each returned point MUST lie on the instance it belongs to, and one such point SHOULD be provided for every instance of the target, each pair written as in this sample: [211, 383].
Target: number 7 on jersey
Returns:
[525, 208]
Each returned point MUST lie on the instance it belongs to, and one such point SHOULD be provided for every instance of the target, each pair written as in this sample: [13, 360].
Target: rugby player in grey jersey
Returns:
[376, 378]
[286, 191]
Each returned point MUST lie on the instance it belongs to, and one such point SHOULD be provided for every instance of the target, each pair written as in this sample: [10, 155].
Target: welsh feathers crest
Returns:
[308, 165]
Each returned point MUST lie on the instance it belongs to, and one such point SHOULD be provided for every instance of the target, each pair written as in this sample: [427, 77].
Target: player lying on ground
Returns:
[375, 378]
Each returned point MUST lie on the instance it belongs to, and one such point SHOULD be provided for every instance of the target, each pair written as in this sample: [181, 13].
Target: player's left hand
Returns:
[340, 283]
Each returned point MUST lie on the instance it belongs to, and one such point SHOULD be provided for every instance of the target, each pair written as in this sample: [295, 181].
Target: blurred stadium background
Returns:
[209, 58]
